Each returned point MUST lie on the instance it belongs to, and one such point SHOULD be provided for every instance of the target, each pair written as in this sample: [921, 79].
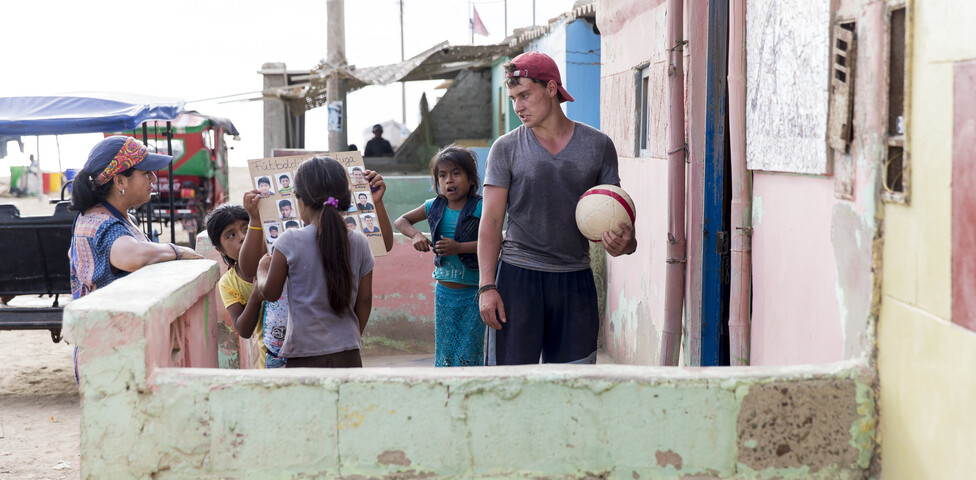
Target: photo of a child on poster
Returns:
[279, 205]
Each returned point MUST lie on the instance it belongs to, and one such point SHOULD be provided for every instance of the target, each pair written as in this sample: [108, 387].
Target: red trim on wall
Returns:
[964, 196]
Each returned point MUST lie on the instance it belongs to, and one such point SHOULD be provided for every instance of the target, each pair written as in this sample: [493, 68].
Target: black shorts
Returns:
[554, 315]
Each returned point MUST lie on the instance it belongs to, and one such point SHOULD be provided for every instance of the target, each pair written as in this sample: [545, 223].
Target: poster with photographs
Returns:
[275, 178]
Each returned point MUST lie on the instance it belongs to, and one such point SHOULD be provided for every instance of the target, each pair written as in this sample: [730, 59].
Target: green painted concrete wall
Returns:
[142, 418]
[405, 193]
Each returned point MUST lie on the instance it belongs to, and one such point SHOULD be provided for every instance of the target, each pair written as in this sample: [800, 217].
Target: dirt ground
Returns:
[40, 430]
[40, 425]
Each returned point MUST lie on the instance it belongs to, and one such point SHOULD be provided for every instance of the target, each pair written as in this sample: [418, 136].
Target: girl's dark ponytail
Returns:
[322, 185]
[334, 247]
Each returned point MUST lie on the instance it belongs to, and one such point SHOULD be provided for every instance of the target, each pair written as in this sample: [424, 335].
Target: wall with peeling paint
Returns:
[633, 35]
[141, 418]
[788, 51]
[816, 237]
[927, 356]
[814, 288]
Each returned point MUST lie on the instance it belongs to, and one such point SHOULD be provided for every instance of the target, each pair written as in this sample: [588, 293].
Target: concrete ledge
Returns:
[545, 421]
[163, 315]
[144, 418]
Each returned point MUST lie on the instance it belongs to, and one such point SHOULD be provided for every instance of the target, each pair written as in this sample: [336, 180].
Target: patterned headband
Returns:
[131, 153]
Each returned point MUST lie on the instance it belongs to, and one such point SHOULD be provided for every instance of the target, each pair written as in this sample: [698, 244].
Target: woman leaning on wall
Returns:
[105, 244]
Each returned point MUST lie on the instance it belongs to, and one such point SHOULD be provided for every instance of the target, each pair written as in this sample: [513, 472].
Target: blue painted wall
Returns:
[582, 75]
[482, 154]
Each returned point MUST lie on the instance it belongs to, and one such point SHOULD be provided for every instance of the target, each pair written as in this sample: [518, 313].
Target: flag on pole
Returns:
[476, 25]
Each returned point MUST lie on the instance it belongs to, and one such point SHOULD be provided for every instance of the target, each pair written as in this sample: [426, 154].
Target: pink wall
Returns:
[632, 34]
[794, 302]
[159, 316]
[814, 281]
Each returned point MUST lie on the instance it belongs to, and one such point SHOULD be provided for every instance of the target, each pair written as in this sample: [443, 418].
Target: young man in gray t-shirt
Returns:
[545, 295]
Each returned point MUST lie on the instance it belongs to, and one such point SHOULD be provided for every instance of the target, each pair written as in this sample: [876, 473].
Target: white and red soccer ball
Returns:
[601, 209]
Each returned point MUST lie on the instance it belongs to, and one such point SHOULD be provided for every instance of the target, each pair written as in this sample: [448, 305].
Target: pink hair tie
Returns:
[331, 201]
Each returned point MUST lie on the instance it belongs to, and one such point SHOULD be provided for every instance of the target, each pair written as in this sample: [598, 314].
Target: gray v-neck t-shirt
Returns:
[543, 190]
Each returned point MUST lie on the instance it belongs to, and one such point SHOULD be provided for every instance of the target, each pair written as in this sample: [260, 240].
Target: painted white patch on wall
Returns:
[757, 210]
[787, 82]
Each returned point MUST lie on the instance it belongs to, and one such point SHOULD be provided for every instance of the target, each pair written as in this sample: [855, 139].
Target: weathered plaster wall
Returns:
[925, 362]
[453, 117]
[964, 195]
[787, 77]
[555, 421]
[815, 292]
[142, 418]
[522, 422]
[632, 35]
[815, 288]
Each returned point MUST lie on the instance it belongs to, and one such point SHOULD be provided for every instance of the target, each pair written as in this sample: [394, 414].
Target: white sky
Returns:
[197, 50]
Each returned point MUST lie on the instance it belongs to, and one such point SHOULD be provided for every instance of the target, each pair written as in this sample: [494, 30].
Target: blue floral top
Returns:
[91, 244]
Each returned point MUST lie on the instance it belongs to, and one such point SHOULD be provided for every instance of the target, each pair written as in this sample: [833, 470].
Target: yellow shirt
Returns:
[234, 289]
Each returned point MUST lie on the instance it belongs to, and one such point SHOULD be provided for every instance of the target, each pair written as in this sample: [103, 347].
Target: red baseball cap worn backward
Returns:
[539, 66]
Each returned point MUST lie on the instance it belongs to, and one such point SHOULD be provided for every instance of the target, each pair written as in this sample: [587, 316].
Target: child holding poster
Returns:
[328, 270]
[454, 216]
[279, 208]
[274, 316]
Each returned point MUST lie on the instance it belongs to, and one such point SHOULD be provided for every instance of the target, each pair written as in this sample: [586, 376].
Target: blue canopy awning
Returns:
[82, 113]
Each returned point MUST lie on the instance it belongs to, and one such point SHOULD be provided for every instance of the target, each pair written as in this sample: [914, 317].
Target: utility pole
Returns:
[533, 13]
[335, 86]
[403, 85]
[506, 20]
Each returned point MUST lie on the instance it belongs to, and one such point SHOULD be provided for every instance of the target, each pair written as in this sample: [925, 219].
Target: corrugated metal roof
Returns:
[442, 61]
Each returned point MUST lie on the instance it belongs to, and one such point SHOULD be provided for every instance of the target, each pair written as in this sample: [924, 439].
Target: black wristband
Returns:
[485, 288]
[178, 253]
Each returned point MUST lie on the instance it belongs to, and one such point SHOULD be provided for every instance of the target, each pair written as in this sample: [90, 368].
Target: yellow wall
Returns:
[926, 363]
[928, 423]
